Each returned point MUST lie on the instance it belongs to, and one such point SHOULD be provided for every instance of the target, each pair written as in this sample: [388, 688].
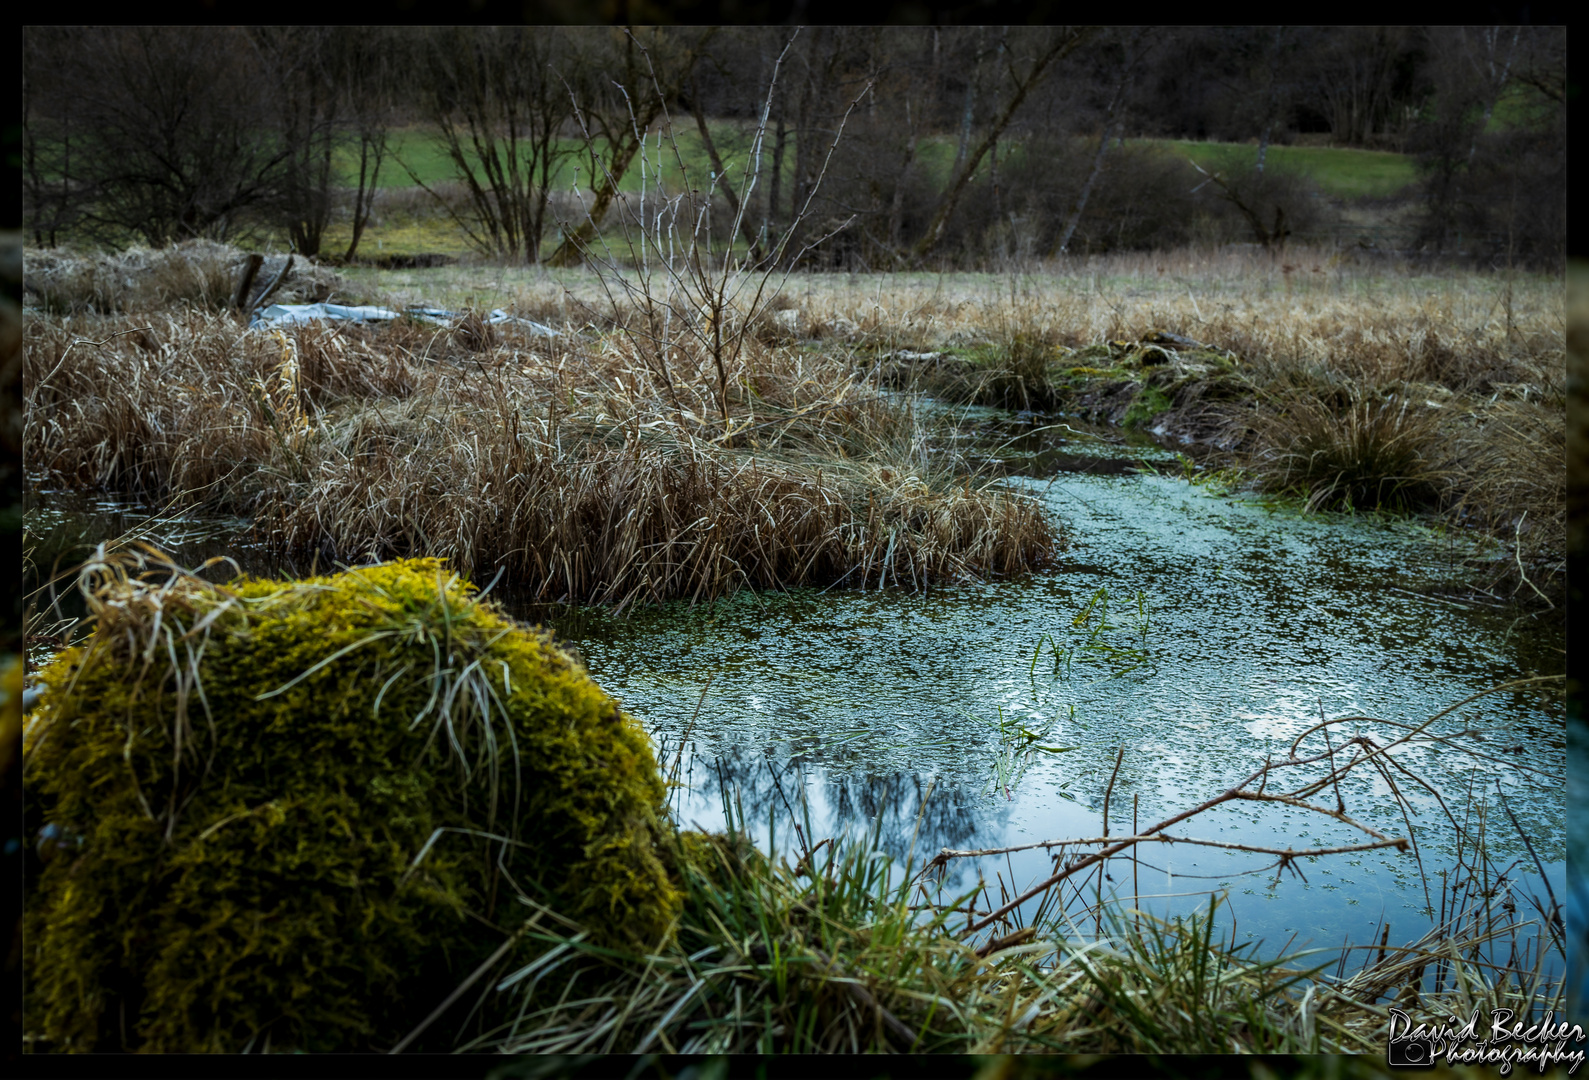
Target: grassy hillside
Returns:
[1340, 172]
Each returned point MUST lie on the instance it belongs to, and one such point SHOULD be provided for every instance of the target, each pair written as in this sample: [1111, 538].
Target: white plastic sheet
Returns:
[291, 314]
[288, 314]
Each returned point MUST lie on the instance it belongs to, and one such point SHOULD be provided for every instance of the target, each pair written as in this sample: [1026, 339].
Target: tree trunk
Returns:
[968, 110]
[770, 219]
[371, 151]
[805, 140]
[1269, 100]
[746, 229]
[951, 198]
[1062, 245]
[897, 204]
[571, 252]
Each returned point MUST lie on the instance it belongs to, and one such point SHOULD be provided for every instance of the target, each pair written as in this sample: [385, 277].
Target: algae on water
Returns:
[302, 812]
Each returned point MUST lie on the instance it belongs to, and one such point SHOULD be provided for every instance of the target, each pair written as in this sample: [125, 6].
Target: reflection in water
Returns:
[792, 798]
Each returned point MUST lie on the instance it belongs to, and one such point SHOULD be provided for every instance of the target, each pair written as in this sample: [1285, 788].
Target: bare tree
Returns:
[1360, 75]
[625, 89]
[369, 83]
[1494, 189]
[309, 113]
[1137, 42]
[1023, 77]
[54, 194]
[176, 129]
[497, 100]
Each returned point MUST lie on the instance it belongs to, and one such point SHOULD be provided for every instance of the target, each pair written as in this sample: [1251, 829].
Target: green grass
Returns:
[424, 151]
[1340, 172]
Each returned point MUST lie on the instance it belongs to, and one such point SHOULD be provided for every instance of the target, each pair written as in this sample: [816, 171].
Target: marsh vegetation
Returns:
[573, 464]
[674, 411]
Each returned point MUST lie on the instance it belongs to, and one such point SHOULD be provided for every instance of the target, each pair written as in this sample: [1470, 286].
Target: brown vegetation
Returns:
[197, 272]
[571, 462]
[1356, 382]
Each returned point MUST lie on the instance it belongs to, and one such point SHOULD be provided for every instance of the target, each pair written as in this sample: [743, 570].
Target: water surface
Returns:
[1231, 628]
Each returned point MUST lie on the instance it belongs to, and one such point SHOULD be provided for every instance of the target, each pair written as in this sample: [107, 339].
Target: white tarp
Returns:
[498, 317]
[288, 314]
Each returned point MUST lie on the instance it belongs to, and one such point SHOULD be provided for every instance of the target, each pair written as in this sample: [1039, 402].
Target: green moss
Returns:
[255, 772]
[1098, 373]
[1099, 351]
[1219, 361]
[1149, 402]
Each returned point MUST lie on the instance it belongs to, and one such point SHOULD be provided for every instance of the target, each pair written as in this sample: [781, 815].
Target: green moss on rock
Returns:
[287, 794]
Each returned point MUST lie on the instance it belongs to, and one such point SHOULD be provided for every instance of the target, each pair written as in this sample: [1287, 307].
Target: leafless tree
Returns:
[1359, 76]
[369, 81]
[1491, 188]
[175, 129]
[302, 64]
[1134, 45]
[621, 86]
[1023, 68]
[496, 97]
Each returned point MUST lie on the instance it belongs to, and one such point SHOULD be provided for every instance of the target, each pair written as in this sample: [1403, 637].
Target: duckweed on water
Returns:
[304, 809]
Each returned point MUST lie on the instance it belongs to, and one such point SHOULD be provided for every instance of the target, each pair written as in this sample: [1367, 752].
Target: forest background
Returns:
[964, 147]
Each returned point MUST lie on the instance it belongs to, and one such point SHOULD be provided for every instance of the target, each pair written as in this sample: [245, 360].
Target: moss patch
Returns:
[297, 810]
[1149, 402]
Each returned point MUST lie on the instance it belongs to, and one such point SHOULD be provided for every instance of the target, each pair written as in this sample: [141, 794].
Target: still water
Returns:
[1197, 632]
[1187, 633]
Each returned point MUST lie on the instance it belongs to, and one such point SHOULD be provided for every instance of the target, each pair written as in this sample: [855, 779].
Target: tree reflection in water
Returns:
[800, 802]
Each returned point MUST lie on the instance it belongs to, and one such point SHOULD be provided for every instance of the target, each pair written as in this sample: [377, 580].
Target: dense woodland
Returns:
[960, 145]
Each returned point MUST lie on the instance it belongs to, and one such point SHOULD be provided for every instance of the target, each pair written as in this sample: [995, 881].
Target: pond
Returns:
[1186, 635]
[1195, 631]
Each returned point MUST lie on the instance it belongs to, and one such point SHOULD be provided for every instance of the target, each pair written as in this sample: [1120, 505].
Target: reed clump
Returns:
[1367, 453]
[591, 467]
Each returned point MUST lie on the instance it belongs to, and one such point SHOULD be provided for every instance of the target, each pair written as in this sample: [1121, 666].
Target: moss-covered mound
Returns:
[299, 811]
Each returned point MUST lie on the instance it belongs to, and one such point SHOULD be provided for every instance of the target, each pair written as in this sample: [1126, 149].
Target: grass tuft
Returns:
[581, 464]
[1373, 453]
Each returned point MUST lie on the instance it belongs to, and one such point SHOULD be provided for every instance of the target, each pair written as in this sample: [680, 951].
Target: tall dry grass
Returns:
[1401, 384]
[574, 463]
[201, 273]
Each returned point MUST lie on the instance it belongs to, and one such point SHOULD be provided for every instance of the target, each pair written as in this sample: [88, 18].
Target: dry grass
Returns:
[201, 273]
[1474, 363]
[1472, 366]
[571, 462]
[1367, 454]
